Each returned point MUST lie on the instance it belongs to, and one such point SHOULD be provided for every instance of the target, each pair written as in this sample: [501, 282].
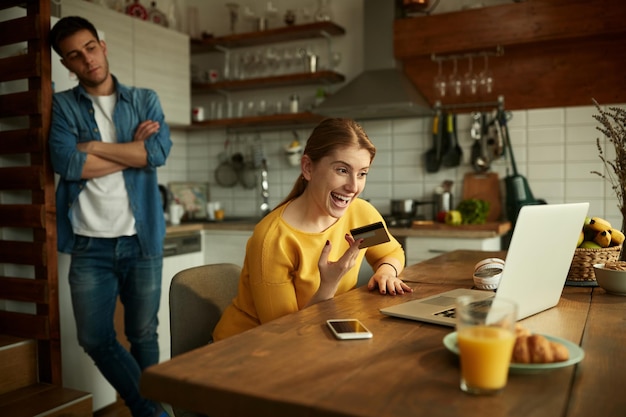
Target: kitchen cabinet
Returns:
[143, 54]
[171, 266]
[419, 249]
[557, 53]
[225, 246]
[284, 34]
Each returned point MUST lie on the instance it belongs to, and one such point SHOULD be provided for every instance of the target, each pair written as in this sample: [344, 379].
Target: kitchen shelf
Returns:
[318, 77]
[282, 34]
[274, 121]
[313, 30]
[557, 53]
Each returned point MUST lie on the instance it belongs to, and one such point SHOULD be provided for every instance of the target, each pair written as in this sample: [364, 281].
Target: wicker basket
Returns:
[581, 268]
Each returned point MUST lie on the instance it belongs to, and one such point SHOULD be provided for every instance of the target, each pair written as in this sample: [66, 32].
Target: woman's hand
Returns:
[387, 282]
[332, 272]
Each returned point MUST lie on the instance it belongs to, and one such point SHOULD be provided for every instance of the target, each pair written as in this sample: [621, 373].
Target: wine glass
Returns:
[485, 78]
[455, 84]
[440, 82]
[470, 79]
[233, 12]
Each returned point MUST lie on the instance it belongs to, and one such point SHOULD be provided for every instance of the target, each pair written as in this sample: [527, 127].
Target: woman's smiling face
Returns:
[337, 179]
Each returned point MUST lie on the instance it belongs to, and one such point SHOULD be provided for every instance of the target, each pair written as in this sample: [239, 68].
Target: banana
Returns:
[599, 224]
[617, 237]
[603, 238]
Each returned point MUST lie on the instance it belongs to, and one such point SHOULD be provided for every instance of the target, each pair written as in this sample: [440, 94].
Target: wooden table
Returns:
[293, 366]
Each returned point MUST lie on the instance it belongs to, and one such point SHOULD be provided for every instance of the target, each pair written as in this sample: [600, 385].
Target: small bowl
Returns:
[611, 280]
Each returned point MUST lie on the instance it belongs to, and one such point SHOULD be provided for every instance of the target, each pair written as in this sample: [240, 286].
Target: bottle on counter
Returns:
[294, 103]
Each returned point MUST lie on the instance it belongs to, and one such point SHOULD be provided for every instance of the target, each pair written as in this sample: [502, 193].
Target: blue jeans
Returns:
[101, 269]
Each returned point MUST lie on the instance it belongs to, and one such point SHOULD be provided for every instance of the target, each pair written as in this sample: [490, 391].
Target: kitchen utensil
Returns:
[432, 157]
[225, 173]
[518, 193]
[484, 186]
[476, 132]
[454, 153]
[247, 175]
[265, 193]
[404, 208]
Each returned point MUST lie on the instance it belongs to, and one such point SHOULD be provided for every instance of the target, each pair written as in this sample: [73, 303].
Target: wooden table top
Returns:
[293, 366]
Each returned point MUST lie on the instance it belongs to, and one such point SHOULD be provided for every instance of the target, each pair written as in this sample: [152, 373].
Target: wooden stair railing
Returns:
[29, 305]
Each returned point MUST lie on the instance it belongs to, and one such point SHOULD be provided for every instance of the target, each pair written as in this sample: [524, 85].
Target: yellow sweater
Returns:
[280, 272]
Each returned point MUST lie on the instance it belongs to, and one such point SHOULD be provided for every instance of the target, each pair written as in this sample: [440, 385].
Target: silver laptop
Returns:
[536, 266]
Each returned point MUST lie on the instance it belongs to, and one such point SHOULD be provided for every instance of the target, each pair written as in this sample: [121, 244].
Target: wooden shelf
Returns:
[274, 121]
[282, 34]
[557, 53]
[319, 77]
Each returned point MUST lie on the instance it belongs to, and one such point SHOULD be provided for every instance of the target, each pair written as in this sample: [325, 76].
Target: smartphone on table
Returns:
[347, 329]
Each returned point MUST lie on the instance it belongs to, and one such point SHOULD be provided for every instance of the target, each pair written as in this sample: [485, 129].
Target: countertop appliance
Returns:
[181, 244]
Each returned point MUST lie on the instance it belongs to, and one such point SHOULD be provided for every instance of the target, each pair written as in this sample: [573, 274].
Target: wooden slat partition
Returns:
[21, 29]
[24, 66]
[20, 141]
[22, 253]
[20, 289]
[25, 106]
[22, 215]
[22, 178]
[20, 104]
[31, 326]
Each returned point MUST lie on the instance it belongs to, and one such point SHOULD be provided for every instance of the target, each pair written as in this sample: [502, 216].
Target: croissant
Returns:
[535, 348]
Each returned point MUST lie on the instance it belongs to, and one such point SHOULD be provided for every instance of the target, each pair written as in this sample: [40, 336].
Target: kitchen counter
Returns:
[244, 225]
[418, 230]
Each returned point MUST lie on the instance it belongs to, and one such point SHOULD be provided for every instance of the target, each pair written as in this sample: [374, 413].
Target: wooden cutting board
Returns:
[485, 186]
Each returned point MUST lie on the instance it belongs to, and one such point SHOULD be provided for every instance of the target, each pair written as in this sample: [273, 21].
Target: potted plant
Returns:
[613, 126]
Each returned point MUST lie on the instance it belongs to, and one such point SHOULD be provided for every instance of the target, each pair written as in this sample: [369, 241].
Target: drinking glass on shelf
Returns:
[273, 60]
[335, 59]
[233, 13]
[485, 78]
[470, 79]
[440, 82]
[455, 84]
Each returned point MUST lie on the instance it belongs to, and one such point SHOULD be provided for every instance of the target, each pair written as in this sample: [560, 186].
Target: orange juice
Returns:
[485, 356]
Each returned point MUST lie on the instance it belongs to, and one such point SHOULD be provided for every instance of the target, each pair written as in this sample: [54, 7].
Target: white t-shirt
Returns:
[103, 208]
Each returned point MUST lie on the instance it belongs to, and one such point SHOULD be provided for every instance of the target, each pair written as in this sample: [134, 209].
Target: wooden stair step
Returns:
[45, 400]
[18, 363]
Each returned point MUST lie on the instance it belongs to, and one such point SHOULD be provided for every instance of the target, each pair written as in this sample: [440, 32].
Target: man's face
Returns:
[86, 57]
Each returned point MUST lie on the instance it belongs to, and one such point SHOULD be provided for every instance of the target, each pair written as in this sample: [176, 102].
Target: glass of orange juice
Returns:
[485, 336]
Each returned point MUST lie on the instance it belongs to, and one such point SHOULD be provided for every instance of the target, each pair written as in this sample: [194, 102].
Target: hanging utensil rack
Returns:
[499, 104]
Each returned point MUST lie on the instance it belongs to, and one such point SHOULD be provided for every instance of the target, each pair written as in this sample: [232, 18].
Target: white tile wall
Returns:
[554, 148]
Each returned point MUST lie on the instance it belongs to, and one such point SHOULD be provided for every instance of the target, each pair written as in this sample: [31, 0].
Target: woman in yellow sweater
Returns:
[302, 252]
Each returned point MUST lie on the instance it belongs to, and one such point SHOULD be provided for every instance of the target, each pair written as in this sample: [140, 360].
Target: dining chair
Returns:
[198, 297]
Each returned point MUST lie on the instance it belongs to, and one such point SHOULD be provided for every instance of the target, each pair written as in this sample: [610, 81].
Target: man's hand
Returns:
[145, 130]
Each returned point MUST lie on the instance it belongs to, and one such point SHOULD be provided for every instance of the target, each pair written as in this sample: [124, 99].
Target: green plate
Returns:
[576, 354]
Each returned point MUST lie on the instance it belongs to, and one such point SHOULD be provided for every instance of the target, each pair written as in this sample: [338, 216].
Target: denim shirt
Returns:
[73, 122]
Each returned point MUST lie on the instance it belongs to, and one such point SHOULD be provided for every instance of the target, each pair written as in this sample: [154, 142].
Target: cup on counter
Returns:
[176, 213]
[485, 336]
[214, 210]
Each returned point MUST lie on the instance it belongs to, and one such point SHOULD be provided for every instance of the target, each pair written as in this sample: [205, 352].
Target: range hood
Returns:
[382, 90]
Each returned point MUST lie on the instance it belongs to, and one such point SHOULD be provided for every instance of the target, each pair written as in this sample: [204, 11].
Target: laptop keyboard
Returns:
[450, 313]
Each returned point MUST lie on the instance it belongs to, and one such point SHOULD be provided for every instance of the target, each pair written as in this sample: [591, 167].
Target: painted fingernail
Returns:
[327, 242]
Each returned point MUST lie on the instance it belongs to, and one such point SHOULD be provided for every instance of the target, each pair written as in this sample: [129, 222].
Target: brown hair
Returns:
[329, 135]
[68, 26]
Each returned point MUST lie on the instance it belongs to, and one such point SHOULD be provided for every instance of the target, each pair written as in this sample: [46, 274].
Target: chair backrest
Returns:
[198, 297]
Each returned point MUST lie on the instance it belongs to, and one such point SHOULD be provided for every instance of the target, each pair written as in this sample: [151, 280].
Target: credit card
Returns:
[373, 234]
